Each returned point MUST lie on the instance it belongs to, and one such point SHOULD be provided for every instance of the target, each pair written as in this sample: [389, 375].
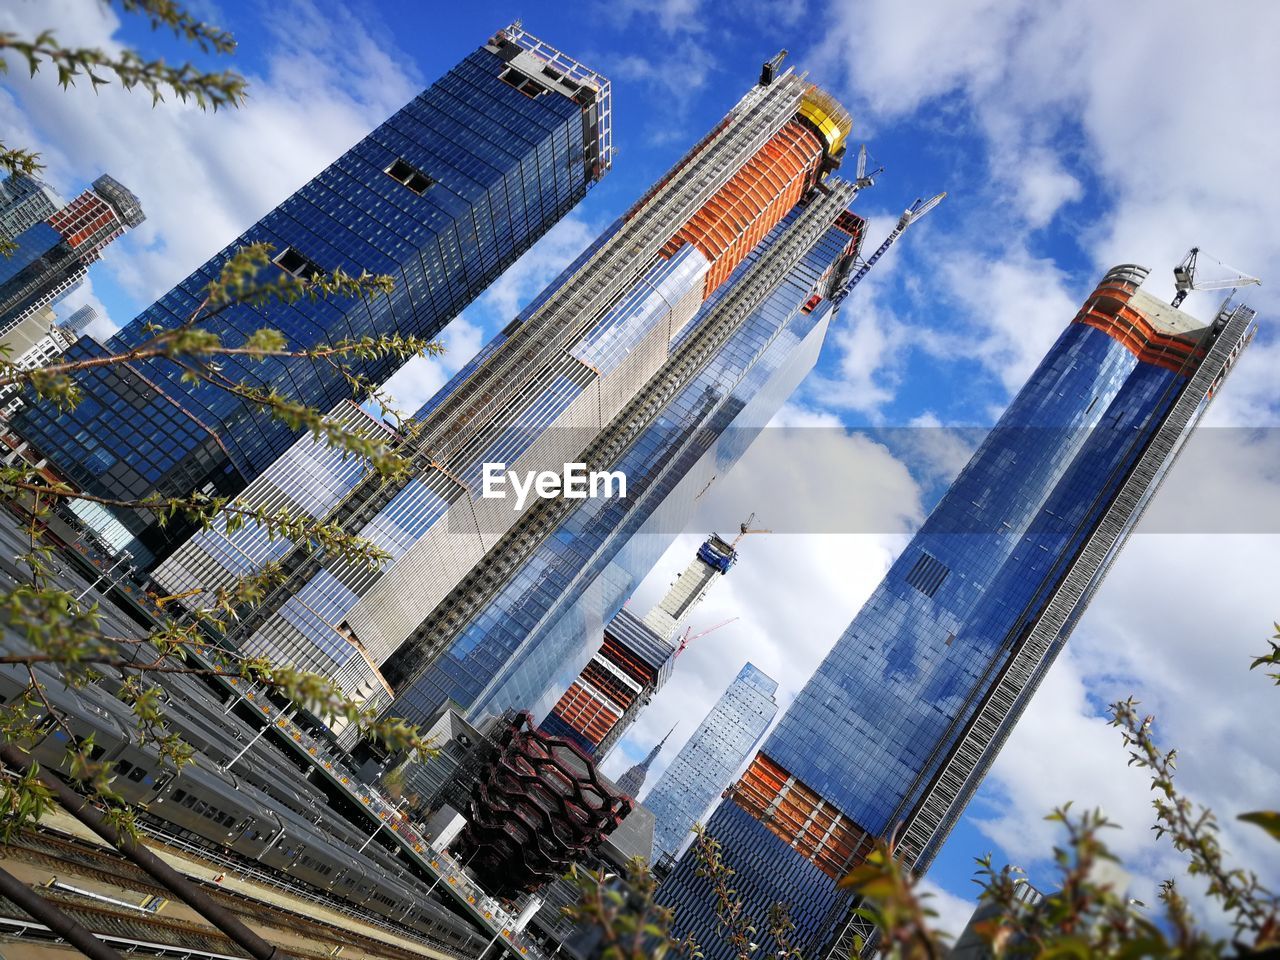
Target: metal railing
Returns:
[31, 931]
[575, 71]
[274, 880]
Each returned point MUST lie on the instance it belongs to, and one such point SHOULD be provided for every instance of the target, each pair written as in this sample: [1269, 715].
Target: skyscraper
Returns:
[80, 321]
[53, 255]
[633, 778]
[636, 658]
[523, 622]
[696, 312]
[705, 765]
[443, 197]
[895, 730]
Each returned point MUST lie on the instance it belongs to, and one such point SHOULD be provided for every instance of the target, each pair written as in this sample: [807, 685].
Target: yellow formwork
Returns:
[825, 112]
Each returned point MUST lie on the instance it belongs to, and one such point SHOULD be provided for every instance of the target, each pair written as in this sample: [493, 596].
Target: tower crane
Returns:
[745, 530]
[1185, 279]
[690, 636]
[909, 216]
[861, 178]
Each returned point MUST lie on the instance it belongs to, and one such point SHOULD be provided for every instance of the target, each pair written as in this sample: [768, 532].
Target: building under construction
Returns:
[636, 658]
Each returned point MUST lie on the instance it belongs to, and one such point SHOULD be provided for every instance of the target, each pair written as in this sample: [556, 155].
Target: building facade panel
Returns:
[562, 569]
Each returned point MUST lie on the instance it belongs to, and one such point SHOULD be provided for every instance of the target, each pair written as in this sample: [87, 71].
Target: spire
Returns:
[631, 781]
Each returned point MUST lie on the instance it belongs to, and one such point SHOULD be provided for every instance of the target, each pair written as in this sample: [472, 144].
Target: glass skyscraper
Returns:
[442, 197]
[895, 730]
[707, 762]
[519, 628]
[54, 249]
[658, 353]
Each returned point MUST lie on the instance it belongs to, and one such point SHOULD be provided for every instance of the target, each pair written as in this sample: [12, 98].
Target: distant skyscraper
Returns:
[659, 353]
[895, 730]
[443, 197]
[705, 765]
[24, 202]
[80, 321]
[54, 254]
[632, 780]
[635, 660]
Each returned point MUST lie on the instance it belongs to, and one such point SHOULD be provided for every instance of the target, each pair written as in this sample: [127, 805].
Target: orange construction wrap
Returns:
[1108, 310]
[82, 218]
[799, 816]
[753, 202]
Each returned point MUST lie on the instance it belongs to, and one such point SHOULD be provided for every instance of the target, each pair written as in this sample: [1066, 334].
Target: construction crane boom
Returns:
[1185, 279]
[690, 636]
[909, 216]
[745, 530]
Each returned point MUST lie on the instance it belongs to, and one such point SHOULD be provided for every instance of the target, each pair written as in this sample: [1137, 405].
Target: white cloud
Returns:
[677, 89]
[1017, 306]
[671, 16]
[1044, 187]
[870, 347]
[953, 912]
[1154, 114]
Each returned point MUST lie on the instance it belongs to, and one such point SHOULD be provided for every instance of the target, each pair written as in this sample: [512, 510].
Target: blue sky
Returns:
[1069, 137]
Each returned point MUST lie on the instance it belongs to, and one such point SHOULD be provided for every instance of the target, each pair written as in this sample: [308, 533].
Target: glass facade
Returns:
[534, 638]
[39, 255]
[709, 759]
[897, 726]
[442, 197]
[53, 255]
[306, 482]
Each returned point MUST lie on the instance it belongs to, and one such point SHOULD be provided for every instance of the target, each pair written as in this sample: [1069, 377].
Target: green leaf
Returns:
[1268, 820]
